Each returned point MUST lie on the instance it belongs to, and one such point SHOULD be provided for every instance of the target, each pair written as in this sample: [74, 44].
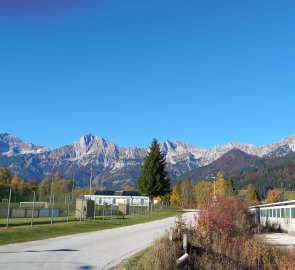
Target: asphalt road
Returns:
[96, 250]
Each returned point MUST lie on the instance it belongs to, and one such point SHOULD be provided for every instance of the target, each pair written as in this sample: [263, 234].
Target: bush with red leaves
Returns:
[227, 216]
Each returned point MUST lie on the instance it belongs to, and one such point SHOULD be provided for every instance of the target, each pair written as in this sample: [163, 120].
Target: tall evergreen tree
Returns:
[233, 189]
[154, 180]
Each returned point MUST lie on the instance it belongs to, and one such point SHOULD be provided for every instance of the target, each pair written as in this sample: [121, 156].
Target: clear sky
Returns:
[201, 72]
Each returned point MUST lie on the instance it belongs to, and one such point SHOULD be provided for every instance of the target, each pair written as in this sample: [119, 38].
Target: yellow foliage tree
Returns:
[204, 191]
[176, 195]
[128, 188]
[188, 193]
[221, 186]
[251, 196]
[292, 196]
[18, 183]
[273, 196]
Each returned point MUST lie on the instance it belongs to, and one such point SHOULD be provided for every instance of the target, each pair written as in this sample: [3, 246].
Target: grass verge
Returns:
[22, 233]
[136, 261]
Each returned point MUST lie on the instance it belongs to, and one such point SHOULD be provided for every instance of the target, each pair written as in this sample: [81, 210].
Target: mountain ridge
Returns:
[115, 164]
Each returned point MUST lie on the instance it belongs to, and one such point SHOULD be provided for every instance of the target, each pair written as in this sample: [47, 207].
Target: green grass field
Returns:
[287, 194]
[22, 233]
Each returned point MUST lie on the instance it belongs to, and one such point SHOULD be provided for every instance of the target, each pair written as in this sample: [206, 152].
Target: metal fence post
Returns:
[68, 209]
[34, 196]
[8, 209]
[94, 211]
[52, 202]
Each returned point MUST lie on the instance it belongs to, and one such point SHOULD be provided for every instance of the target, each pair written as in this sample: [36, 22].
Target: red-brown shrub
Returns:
[227, 216]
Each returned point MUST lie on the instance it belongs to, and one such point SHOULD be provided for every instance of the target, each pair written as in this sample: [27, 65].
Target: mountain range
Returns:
[114, 166]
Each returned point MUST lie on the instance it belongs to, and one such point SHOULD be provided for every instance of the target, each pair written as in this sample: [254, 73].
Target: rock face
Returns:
[115, 166]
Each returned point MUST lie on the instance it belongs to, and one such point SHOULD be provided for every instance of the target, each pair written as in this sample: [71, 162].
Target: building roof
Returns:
[105, 192]
[291, 202]
[117, 193]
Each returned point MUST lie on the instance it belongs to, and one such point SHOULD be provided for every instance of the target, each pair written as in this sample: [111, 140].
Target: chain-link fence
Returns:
[31, 207]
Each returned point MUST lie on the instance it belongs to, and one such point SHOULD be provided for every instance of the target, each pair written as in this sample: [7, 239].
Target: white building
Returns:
[109, 197]
[280, 215]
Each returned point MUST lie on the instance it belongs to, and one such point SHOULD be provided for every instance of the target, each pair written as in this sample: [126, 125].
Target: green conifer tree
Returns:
[154, 180]
[233, 189]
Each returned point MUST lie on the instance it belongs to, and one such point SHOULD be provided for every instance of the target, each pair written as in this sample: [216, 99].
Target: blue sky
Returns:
[201, 72]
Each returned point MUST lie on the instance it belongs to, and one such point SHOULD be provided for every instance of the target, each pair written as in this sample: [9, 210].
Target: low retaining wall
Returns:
[27, 213]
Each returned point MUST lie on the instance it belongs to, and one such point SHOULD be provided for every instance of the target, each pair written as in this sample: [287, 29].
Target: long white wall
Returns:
[116, 200]
[282, 217]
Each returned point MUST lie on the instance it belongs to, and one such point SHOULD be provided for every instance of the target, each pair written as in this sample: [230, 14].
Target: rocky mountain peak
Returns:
[90, 144]
[10, 145]
[87, 138]
[288, 141]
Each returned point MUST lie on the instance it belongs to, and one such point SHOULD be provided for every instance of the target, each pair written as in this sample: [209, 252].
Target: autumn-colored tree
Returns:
[221, 186]
[251, 195]
[63, 188]
[128, 188]
[44, 188]
[5, 176]
[33, 185]
[176, 196]
[204, 192]
[226, 216]
[273, 196]
[188, 193]
[292, 196]
[18, 183]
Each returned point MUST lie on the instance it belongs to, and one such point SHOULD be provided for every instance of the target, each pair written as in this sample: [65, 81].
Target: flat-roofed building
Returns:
[111, 197]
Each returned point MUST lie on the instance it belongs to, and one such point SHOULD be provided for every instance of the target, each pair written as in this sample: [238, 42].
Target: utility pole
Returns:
[90, 182]
[214, 192]
[73, 185]
[52, 209]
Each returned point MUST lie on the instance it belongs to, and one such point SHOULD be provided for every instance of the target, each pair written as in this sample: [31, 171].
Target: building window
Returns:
[114, 200]
[274, 212]
[287, 212]
[292, 212]
[278, 212]
[282, 212]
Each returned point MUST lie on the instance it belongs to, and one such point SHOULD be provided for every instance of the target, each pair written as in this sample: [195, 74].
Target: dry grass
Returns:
[162, 255]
